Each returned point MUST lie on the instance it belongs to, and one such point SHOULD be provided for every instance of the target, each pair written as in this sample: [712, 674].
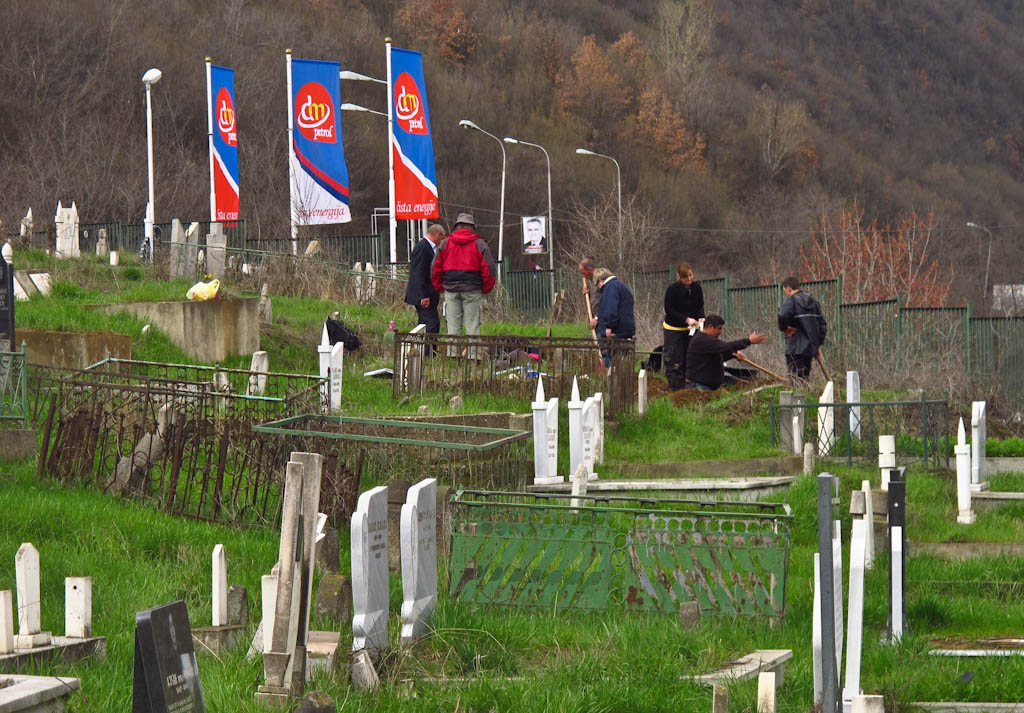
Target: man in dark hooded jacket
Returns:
[464, 271]
[801, 320]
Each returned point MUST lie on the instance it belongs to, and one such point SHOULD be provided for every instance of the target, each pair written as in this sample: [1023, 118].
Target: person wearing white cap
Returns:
[464, 271]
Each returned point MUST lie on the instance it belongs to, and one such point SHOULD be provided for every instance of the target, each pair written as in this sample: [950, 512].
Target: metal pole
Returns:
[826, 595]
[392, 220]
[501, 206]
[210, 109]
[291, 156]
[150, 211]
[618, 181]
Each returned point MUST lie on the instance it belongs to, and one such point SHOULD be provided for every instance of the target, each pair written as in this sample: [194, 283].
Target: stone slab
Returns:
[754, 485]
[35, 693]
[970, 707]
[60, 647]
[73, 350]
[18, 443]
[966, 550]
[746, 668]
[217, 639]
[786, 465]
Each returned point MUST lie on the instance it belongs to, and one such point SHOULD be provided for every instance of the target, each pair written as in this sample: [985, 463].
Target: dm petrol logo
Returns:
[409, 105]
[226, 118]
[314, 113]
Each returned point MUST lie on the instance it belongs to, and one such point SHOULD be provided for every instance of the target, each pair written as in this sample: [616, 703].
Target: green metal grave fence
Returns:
[619, 553]
[13, 392]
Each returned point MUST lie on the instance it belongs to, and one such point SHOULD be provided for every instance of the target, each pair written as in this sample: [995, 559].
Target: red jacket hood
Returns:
[463, 236]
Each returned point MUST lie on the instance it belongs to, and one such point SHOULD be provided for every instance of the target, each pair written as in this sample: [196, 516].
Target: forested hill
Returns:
[737, 125]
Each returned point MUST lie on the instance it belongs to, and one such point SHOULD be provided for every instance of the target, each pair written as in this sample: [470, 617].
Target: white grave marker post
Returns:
[358, 280]
[579, 486]
[886, 458]
[575, 405]
[418, 528]
[589, 435]
[855, 622]
[853, 397]
[965, 513]
[323, 351]
[371, 282]
[641, 392]
[826, 421]
[26, 576]
[599, 428]
[6, 622]
[979, 478]
[258, 369]
[312, 474]
[220, 586]
[766, 692]
[869, 524]
[896, 582]
[816, 631]
[337, 373]
[837, 591]
[370, 570]
[545, 438]
[278, 657]
[77, 607]
[268, 592]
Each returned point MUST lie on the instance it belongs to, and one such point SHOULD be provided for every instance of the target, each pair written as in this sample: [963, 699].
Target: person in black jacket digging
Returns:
[801, 320]
[707, 354]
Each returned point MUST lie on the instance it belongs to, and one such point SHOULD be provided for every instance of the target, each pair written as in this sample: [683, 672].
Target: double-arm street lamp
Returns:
[618, 182]
[467, 124]
[551, 219]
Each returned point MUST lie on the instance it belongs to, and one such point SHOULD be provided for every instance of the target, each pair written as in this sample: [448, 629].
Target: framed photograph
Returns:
[535, 234]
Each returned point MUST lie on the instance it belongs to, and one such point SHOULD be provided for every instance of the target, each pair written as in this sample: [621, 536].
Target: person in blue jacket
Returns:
[614, 309]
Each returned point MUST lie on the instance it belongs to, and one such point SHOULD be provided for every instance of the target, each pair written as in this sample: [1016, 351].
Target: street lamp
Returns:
[151, 77]
[467, 124]
[988, 261]
[618, 181]
[551, 219]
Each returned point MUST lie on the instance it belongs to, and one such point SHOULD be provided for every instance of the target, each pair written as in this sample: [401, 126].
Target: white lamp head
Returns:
[585, 152]
[467, 124]
[510, 140]
[152, 76]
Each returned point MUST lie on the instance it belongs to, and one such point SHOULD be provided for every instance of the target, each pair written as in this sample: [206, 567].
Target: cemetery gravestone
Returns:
[827, 596]
[886, 457]
[102, 244]
[419, 559]
[599, 427]
[77, 607]
[7, 335]
[576, 441]
[965, 514]
[370, 571]
[323, 351]
[641, 392]
[791, 423]
[66, 221]
[337, 372]
[179, 265]
[826, 421]
[545, 438]
[26, 576]
[6, 622]
[855, 625]
[216, 250]
[979, 479]
[220, 586]
[853, 397]
[258, 368]
[166, 676]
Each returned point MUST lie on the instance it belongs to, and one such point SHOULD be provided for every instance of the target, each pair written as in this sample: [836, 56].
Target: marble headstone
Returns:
[419, 559]
[826, 421]
[26, 576]
[979, 478]
[545, 438]
[370, 591]
[853, 397]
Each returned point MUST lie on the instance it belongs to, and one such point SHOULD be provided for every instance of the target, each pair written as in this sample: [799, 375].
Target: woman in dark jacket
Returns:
[684, 310]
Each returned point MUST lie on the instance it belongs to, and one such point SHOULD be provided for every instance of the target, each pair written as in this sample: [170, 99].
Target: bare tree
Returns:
[684, 31]
[781, 129]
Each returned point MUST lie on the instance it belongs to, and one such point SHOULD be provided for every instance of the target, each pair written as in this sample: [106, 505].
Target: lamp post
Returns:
[467, 124]
[551, 219]
[355, 107]
[988, 261]
[618, 182]
[151, 77]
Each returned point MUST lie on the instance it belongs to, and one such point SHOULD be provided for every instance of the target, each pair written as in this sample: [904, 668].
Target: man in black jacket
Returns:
[420, 292]
[801, 320]
[707, 354]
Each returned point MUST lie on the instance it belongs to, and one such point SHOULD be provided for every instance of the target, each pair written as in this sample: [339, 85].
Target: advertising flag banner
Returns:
[319, 189]
[411, 142]
[223, 144]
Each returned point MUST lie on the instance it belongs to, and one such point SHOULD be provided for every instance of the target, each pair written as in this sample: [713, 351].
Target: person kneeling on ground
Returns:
[707, 354]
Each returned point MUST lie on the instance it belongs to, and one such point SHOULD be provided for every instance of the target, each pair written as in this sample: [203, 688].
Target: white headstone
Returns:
[826, 421]
[283, 631]
[853, 397]
[216, 250]
[337, 372]
[579, 486]
[837, 589]
[268, 592]
[66, 221]
[576, 447]
[965, 513]
[979, 478]
[869, 521]
[896, 582]
[41, 281]
[797, 432]
[418, 529]
[6, 622]
[191, 257]
[113, 258]
[102, 244]
[370, 570]
[78, 607]
[545, 438]
[868, 704]
[259, 367]
[358, 280]
[26, 576]
[766, 692]
[220, 586]
[25, 232]
[323, 350]
[590, 421]
[855, 606]
[816, 631]
[886, 457]
[371, 282]
[179, 265]
[266, 307]
[641, 392]
[599, 428]
[312, 248]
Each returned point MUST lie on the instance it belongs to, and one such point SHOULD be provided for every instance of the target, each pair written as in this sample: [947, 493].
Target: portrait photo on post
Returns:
[535, 234]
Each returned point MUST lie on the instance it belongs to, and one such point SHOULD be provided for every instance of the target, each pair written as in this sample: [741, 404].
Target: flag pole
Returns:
[392, 220]
[209, 135]
[291, 155]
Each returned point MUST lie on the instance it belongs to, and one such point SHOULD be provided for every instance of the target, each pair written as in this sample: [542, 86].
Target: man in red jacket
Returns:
[464, 271]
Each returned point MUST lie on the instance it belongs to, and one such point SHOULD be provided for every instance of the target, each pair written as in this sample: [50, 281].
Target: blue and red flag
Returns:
[411, 143]
[319, 186]
[220, 102]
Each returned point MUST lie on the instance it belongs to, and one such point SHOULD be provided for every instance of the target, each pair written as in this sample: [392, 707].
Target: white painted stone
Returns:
[869, 522]
[266, 307]
[766, 692]
[323, 351]
[816, 632]
[216, 250]
[589, 433]
[418, 528]
[312, 249]
[965, 513]
[220, 586]
[826, 421]
[268, 592]
[808, 459]
[599, 428]
[576, 445]
[896, 582]
[259, 367]
[837, 589]
[113, 258]
[641, 392]
[579, 486]
[78, 607]
[66, 221]
[179, 265]
[545, 438]
[337, 368]
[358, 280]
[855, 609]
[26, 576]
[853, 397]
[27, 225]
[979, 478]
[102, 244]
[7, 252]
[370, 288]
[868, 704]
[369, 531]
[19, 292]
[886, 457]
[6, 622]
[798, 432]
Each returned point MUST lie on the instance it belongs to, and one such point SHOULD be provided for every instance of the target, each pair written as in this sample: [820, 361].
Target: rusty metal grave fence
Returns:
[619, 554]
[455, 454]
[504, 365]
[173, 434]
[921, 429]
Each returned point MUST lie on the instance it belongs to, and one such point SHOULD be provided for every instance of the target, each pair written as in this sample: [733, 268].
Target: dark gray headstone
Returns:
[829, 674]
[7, 305]
[166, 675]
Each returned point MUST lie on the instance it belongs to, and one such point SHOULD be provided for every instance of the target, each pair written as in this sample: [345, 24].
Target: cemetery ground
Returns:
[482, 659]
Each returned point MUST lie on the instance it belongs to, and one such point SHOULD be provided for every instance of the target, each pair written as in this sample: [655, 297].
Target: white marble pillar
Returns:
[337, 370]
[576, 445]
[886, 458]
[816, 632]
[641, 392]
[26, 576]
[855, 610]
[220, 586]
[599, 428]
[545, 438]
[323, 351]
[837, 589]
[826, 421]
[77, 607]
[869, 523]
[896, 582]
[853, 397]
[6, 622]
[965, 513]
[418, 529]
[979, 478]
